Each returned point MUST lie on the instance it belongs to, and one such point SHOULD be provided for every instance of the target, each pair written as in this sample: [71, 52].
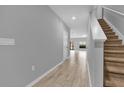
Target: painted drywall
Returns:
[81, 12]
[97, 9]
[116, 19]
[38, 33]
[95, 51]
[119, 8]
[77, 42]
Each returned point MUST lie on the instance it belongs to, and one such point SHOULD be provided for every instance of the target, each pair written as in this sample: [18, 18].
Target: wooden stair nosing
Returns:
[113, 42]
[106, 27]
[116, 68]
[114, 51]
[109, 54]
[114, 80]
[113, 48]
[112, 37]
[112, 45]
[110, 32]
[114, 59]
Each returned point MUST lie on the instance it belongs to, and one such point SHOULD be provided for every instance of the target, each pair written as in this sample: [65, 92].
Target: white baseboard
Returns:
[121, 36]
[89, 76]
[40, 77]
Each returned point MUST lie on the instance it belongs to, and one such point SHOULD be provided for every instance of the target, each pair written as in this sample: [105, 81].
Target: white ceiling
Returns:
[81, 12]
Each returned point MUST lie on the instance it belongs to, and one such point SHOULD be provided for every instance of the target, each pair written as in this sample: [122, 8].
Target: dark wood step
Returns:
[112, 37]
[106, 30]
[108, 27]
[114, 67]
[114, 59]
[121, 47]
[114, 80]
[114, 51]
[113, 42]
[103, 23]
[103, 26]
[110, 54]
[109, 33]
[111, 45]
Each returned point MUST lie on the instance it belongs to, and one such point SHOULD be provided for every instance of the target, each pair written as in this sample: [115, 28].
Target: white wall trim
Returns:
[42, 76]
[89, 76]
[117, 12]
[121, 36]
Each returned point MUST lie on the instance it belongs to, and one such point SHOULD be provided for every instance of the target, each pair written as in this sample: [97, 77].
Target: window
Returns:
[72, 45]
[82, 44]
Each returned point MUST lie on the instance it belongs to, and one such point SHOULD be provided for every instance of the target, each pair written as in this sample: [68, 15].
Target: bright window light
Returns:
[82, 43]
[74, 18]
[84, 36]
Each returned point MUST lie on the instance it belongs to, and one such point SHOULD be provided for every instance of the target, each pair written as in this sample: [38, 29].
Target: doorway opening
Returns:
[71, 45]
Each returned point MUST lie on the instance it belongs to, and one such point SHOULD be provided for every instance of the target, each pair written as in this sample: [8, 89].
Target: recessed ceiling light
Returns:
[73, 18]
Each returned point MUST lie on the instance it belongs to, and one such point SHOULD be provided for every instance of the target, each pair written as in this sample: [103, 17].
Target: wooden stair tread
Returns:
[114, 59]
[113, 40]
[112, 44]
[110, 32]
[107, 29]
[110, 54]
[114, 83]
[115, 67]
[104, 25]
[120, 47]
[114, 51]
[114, 80]
[112, 37]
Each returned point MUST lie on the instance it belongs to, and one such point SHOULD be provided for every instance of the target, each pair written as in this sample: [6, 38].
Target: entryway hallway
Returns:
[72, 72]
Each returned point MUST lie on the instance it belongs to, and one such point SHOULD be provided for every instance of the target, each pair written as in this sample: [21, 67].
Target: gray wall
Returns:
[116, 19]
[38, 33]
[95, 52]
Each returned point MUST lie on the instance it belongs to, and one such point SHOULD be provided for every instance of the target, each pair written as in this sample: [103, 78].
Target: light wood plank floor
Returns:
[72, 73]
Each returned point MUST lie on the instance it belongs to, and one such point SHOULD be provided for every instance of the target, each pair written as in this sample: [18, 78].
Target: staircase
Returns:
[113, 57]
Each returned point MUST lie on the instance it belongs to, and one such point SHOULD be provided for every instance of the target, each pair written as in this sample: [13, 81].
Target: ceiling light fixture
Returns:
[74, 18]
